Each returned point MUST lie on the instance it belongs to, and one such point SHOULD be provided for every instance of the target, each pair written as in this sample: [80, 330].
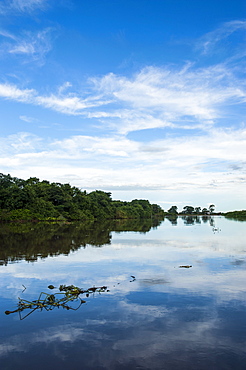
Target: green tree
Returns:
[157, 210]
[100, 204]
[35, 199]
[205, 211]
[188, 210]
[173, 210]
[197, 210]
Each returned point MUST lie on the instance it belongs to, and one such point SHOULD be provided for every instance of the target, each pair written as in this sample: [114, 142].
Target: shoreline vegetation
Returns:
[190, 211]
[35, 200]
[236, 215]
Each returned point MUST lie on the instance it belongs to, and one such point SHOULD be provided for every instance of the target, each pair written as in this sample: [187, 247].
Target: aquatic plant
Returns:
[64, 298]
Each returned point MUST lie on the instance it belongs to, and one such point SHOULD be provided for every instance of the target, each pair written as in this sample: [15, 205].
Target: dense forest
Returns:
[33, 199]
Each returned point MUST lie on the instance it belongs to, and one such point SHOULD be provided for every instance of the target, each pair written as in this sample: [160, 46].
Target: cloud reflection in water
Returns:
[168, 318]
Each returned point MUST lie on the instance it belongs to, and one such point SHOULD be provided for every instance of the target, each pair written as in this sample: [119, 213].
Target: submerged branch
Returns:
[64, 298]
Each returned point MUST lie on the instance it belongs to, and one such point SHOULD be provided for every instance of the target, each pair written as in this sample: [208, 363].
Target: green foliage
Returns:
[157, 210]
[197, 210]
[33, 199]
[173, 210]
[100, 204]
[211, 208]
[190, 210]
[205, 211]
[236, 215]
[17, 214]
[64, 298]
[137, 209]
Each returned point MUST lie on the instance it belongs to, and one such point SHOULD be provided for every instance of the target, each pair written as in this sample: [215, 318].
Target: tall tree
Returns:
[173, 209]
[188, 209]
[197, 210]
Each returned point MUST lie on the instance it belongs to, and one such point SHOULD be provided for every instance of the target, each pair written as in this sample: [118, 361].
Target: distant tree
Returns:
[32, 181]
[188, 210]
[157, 210]
[211, 208]
[197, 210]
[143, 206]
[237, 215]
[205, 211]
[173, 210]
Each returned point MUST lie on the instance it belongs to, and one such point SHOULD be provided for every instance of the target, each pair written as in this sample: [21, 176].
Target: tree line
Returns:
[190, 210]
[196, 211]
[33, 199]
[236, 215]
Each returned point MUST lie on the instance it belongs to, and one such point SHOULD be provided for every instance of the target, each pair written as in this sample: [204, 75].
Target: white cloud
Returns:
[64, 87]
[12, 92]
[23, 48]
[112, 147]
[68, 104]
[154, 97]
[19, 143]
[186, 96]
[30, 46]
[28, 119]
[211, 40]
[173, 95]
[215, 162]
[7, 34]
[27, 5]
[22, 6]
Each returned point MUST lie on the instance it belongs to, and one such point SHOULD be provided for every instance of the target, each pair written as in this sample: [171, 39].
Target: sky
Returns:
[141, 98]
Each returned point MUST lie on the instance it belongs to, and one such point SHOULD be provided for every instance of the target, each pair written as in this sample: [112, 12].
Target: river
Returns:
[174, 295]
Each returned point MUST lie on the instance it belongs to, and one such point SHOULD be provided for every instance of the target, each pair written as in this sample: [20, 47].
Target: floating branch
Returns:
[48, 302]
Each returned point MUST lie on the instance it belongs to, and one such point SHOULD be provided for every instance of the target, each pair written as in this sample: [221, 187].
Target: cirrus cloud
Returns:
[154, 97]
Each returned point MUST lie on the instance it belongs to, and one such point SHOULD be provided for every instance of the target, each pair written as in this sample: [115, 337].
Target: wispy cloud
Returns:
[172, 96]
[30, 46]
[184, 96]
[22, 142]
[154, 97]
[22, 6]
[12, 92]
[212, 40]
[28, 119]
[64, 87]
[68, 104]
[7, 34]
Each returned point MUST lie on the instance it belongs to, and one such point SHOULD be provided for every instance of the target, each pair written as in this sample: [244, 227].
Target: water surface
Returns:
[155, 315]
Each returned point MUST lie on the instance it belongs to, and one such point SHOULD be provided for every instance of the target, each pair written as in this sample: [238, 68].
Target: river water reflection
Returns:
[155, 315]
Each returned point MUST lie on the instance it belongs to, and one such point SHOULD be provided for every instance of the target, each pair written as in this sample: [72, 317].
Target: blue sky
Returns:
[143, 98]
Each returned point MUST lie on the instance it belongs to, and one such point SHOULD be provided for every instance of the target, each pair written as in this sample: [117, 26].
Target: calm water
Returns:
[166, 317]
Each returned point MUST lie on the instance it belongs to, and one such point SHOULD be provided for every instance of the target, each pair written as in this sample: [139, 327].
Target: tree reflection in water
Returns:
[30, 241]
